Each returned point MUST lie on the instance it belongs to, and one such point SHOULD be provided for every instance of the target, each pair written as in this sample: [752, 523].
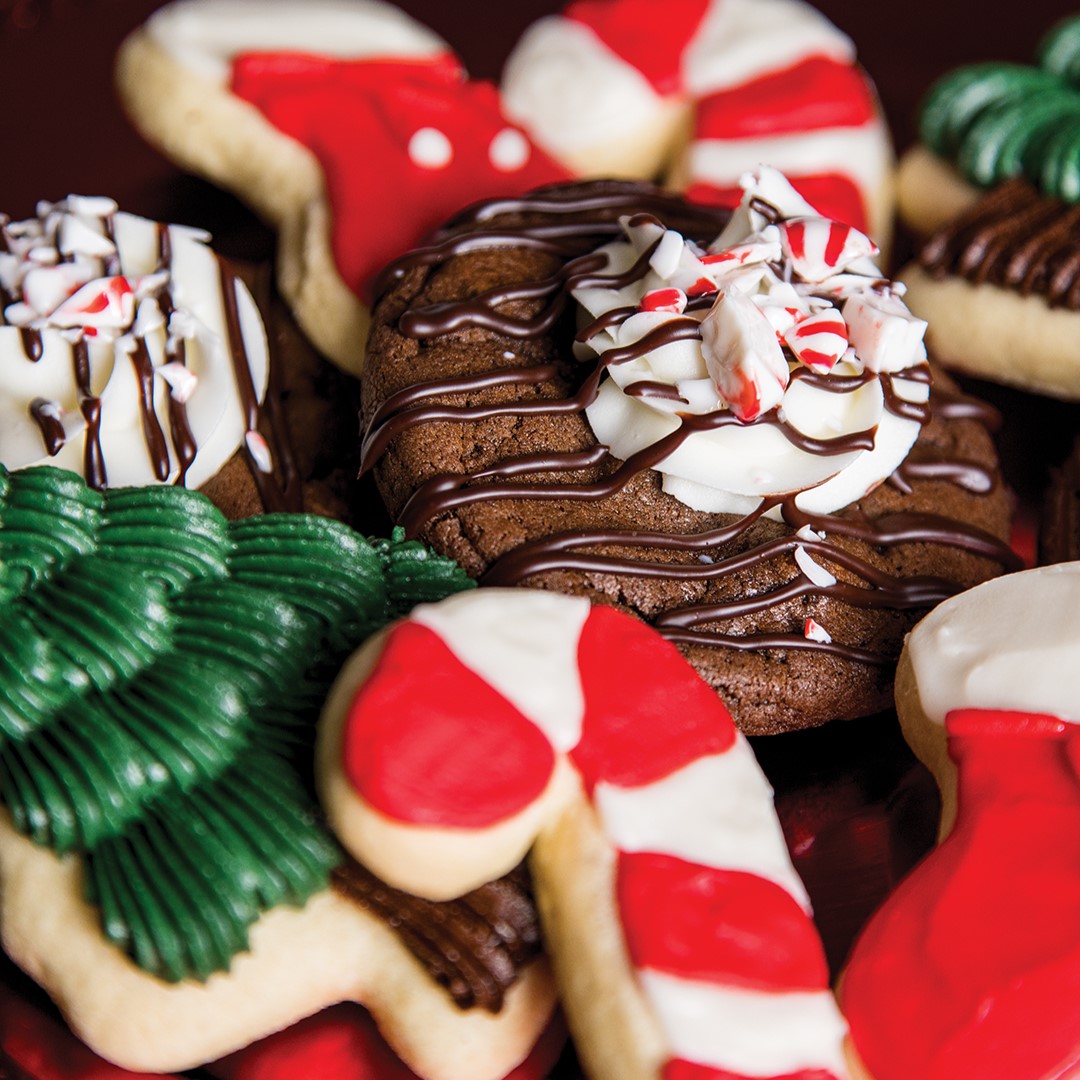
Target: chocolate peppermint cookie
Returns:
[726, 426]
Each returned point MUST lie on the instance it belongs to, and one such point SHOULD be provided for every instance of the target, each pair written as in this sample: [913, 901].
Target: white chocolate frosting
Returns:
[84, 279]
[796, 292]
[1010, 643]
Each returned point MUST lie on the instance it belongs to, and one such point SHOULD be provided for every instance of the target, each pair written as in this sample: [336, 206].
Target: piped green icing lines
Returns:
[995, 121]
[161, 669]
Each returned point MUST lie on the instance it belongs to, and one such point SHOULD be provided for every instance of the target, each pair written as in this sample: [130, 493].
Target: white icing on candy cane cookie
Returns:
[502, 721]
[128, 352]
[290, 110]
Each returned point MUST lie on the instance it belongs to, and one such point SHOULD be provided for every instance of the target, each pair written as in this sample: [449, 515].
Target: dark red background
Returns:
[856, 808]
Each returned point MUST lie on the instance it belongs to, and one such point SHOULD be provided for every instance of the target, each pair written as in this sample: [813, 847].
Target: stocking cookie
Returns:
[165, 877]
[971, 967]
[509, 720]
[288, 109]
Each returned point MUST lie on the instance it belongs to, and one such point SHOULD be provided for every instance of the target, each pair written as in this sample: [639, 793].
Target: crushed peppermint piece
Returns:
[743, 356]
[668, 254]
[182, 380]
[99, 206]
[260, 451]
[813, 570]
[819, 340]
[886, 336]
[809, 534]
[814, 631]
[79, 238]
[819, 248]
[673, 300]
[19, 314]
[102, 304]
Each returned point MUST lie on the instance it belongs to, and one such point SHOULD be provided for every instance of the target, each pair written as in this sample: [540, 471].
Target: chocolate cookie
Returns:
[474, 403]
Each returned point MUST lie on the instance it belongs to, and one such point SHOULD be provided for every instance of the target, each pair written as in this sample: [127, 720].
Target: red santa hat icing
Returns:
[396, 137]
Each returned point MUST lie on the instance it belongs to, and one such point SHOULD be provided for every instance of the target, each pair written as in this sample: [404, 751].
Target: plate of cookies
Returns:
[690, 388]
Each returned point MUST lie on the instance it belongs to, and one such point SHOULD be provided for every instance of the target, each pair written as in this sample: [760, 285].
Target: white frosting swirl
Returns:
[1010, 643]
[76, 285]
[769, 279]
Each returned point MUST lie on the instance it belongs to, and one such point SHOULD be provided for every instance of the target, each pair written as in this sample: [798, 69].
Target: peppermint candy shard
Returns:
[742, 356]
[670, 299]
[884, 333]
[819, 340]
[819, 248]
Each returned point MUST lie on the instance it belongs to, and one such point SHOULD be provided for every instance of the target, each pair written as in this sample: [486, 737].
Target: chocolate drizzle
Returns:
[1015, 238]
[705, 559]
[279, 488]
[475, 945]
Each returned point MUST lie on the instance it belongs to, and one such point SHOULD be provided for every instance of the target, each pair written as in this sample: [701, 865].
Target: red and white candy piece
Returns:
[102, 304]
[742, 356]
[670, 300]
[886, 336]
[820, 340]
[503, 720]
[819, 248]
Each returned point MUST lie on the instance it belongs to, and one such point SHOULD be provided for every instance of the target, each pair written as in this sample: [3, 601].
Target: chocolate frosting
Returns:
[1017, 239]
[475, 945]
[474, 426]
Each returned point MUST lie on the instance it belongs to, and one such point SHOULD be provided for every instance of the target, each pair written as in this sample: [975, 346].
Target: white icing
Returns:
[524, 644]
[1011, 643]
[745, 39]
[429, 148]
[857, 153]
[205, 35]
[208, 386]
[509, 150]
[749, 1033]
[716, 811]
[571, 92]
[731, 468]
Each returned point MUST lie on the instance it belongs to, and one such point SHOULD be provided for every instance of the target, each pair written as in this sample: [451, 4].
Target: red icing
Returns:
[648, 36]
[812, 95]
[358, 116]
[831, 194]
[689, 1070]
[340, 1043]
[647, 712]
[972, 967]
[429, 742]
[732, 927]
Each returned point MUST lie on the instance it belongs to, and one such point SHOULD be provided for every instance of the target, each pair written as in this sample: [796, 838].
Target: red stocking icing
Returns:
[713, 918]
[972, 967]
[403, 145]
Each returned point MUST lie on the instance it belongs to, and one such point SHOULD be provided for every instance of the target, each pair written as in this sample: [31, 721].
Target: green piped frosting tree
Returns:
[161, 671]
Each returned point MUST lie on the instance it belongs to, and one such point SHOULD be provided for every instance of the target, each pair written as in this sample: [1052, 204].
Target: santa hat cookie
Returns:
[355, 130]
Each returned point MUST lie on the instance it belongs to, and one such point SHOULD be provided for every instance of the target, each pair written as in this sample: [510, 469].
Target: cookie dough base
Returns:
[996, 334]
[203, 127]
[930, 192]
[300, 962]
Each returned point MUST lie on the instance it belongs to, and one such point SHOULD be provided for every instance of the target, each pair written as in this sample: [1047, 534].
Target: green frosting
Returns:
[995, 121]
[161, 670]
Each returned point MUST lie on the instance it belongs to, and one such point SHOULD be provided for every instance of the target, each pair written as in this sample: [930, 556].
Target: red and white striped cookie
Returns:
[504, 721]
[355, 130]
[615, 87]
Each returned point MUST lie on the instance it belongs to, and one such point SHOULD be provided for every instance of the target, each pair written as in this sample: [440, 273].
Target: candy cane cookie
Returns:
[509, 720]
[288, 107]
[972, 966]
[163, 873]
